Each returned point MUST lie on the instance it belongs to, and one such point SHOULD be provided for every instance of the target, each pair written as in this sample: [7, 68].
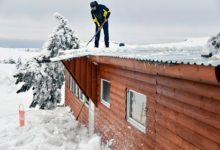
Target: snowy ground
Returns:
[44, 130]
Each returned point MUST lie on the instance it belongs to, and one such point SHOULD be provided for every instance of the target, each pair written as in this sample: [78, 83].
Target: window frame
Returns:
[68, 80]
[129, 119]
[83, 99]
[71, 82]
[86, 101]
[104, 102]
[80, 92]
[75, 93]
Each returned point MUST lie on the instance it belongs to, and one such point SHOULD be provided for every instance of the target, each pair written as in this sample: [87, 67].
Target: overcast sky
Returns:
[131, 21]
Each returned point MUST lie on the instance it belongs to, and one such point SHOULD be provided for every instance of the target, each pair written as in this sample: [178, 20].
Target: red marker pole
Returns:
[21, 115]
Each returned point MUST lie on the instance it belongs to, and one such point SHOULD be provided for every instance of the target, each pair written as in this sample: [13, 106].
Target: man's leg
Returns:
[97, 37]
[105, 27]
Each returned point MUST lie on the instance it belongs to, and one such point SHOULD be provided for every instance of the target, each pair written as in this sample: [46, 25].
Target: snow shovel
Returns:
[95, 34]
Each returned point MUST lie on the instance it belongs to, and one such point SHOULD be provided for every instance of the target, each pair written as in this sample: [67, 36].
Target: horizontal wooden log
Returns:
[118, 100]
[188, 122]
[128, 73]
[206, 74]
[185, 133]
[206, 90]
[206, 117]
[131, 83]
[83, 71]
[164, 132]
[94, 84]
[166, 144]
[201, 102]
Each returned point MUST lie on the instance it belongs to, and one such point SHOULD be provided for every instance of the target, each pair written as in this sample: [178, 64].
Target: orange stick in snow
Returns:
[21, 115]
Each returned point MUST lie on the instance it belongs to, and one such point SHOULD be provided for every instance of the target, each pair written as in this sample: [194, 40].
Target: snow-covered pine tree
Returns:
[46, 78]
[214, 43]
[212, 47]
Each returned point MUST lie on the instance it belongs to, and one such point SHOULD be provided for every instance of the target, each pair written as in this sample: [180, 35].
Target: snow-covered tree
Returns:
[212, 47]
[46, 78]
[214, 43]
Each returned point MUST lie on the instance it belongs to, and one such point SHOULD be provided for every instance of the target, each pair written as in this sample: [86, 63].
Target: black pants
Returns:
[105, 28]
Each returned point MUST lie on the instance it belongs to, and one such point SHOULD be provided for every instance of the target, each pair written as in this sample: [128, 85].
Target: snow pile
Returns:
[43, 130]
[10, 101]
[186, 52]
[14, 54]
[47, 130]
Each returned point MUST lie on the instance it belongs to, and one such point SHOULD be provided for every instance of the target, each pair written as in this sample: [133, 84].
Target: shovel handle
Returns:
[95, 34]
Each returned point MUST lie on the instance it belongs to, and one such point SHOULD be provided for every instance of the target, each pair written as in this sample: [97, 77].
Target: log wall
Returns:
[111, 122]
[75, 104]
[84, 73]
[182, 113]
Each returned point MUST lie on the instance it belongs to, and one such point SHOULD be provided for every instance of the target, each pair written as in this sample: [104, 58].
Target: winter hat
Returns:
[93, 4]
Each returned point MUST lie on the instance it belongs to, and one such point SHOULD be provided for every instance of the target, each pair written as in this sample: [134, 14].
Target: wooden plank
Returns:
[66, 63]
[185, 133]
[77, 75]
[147, 139]
[89, 79]
[128, 73]
[206, 74]
[117, 85]
[83, 72]
[188, 122]
[131, 83]
[206, 90]
[74, 67]
[94, 84]
[160, 130]
[206, 117]
[201, 102]
[166, 144]
[117, 99]
[71, 67]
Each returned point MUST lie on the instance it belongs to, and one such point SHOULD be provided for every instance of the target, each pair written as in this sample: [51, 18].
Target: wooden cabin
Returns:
[141, 105]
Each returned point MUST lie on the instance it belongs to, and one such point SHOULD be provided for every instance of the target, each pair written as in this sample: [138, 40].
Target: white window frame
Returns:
[132, 121]
[86, 101]
[101, 93]
[68, 80]
[71, 83]
[83, 99]
[76, 94]
[80, 98]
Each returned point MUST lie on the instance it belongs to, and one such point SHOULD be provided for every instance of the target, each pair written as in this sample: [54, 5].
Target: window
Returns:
[86, 101]
[75, 88]
[83, 98]
[80, 95]
[69, 79]
[136, 109]
[105, 92]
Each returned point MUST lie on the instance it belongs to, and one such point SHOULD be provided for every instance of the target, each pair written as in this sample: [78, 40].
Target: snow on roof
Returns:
[186, 52]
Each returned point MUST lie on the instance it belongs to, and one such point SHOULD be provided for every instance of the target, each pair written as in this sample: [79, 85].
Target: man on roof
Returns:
[100, 14]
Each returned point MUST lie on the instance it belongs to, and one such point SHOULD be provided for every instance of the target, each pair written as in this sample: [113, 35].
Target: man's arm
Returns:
[107, 12]
[95, 20]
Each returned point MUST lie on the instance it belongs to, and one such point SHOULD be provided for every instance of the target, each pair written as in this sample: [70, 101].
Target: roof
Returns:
[186, 52]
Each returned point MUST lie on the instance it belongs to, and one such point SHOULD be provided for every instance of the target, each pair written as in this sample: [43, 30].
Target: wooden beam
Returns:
[74, 77]
[206, 74]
